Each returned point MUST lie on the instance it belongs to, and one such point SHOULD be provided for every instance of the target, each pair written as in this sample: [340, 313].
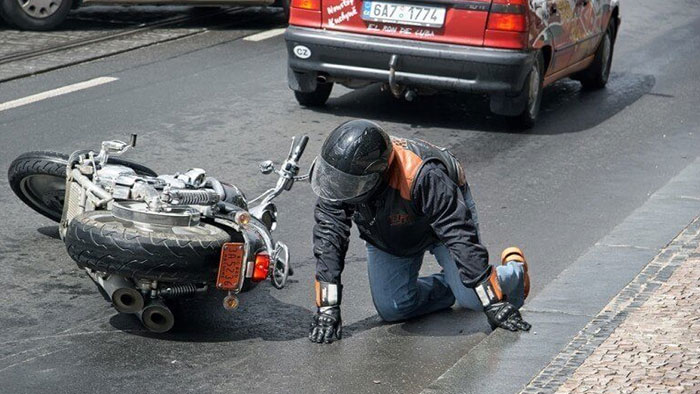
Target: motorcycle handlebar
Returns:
[299, 148]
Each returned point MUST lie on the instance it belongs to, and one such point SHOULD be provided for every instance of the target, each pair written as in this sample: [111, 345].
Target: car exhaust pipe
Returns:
[121, 292]
[157, 317]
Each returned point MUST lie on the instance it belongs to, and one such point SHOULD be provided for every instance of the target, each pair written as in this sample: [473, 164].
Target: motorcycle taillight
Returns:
[262, 267]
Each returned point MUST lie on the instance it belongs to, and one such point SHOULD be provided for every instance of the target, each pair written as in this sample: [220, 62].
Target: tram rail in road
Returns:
[118, 33]
[13, 57]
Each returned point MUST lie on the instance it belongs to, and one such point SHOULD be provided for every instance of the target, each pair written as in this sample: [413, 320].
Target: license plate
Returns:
[403, 14]
[230, 266]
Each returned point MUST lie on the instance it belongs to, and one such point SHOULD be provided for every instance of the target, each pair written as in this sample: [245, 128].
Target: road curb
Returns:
[507, 362]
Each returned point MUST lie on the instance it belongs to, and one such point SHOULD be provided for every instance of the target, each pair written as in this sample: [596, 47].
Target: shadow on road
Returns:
[49, 231]
[260, 315]
[263, 316]
[447, 323]
[566, 108]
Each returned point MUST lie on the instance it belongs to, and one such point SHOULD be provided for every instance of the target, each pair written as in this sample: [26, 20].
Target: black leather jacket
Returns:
[422, 202]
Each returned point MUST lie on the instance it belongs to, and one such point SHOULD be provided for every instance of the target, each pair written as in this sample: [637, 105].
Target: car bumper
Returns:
[421, 64]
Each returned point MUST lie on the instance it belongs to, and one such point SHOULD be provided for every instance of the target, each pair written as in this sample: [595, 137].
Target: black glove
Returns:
[499, 312]
[327, 325]
[505, 315]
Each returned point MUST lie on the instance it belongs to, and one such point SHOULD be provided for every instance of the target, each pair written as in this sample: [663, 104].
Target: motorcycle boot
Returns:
[514, 253]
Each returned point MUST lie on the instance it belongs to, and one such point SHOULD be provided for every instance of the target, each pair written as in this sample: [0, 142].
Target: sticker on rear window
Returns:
[302, 52]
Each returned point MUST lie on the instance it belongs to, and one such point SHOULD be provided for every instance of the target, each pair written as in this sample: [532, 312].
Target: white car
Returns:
[47, 14]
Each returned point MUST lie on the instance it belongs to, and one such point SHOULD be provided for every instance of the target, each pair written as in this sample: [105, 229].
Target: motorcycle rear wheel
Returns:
[99, 241]
[39, 180]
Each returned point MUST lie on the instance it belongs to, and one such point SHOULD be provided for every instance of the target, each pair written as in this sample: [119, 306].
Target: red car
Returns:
[509, 49]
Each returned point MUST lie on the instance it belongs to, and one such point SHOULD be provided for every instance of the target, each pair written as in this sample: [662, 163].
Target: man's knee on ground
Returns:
[393, 310]
[470, 305]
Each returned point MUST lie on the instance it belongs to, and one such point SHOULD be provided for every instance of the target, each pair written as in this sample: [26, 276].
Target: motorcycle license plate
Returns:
[230, 266]
[403, 14]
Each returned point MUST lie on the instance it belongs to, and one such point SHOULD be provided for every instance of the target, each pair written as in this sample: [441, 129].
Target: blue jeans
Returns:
[398, 293]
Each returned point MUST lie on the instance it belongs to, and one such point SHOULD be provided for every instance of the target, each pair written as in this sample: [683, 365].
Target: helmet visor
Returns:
[331, 184]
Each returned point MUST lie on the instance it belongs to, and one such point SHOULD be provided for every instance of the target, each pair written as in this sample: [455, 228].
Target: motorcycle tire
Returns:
[39, 180]
[99, 241]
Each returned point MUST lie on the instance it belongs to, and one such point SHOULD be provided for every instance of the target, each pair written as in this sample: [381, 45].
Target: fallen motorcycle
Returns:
[146, 239]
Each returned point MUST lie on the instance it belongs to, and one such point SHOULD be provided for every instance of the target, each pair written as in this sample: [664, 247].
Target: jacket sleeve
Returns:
[331, 237]
[442, 201]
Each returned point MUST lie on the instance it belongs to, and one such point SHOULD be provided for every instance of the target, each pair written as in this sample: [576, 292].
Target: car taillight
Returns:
[507, 26]
[305, 13]
[508, 15]
[314, 5]
[507, 22]
[262, 267]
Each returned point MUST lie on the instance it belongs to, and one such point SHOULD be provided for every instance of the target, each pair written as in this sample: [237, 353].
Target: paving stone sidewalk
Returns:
[646, 340]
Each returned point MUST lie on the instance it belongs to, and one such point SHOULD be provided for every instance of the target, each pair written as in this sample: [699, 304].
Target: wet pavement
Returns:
[216, 101]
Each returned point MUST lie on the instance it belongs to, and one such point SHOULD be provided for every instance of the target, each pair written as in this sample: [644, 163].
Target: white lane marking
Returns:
[265, 35]
[56, 92]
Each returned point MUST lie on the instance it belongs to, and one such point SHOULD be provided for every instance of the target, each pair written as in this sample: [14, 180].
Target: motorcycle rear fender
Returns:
[254, 242]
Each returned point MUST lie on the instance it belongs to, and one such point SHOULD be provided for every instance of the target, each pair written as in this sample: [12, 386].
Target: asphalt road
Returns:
[221, 103]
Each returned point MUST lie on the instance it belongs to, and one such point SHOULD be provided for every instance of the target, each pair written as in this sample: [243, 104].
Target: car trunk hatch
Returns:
[448, 21]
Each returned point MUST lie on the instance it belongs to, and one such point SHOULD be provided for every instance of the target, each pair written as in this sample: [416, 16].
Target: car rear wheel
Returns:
[317, 97]
[35, 14]
[533, 96]
[597, 74]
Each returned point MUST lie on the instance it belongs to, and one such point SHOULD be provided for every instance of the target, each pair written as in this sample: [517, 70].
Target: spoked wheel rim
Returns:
[40, 9]
[607, 51]
[534, 91]
[45, 192]
[280, 271]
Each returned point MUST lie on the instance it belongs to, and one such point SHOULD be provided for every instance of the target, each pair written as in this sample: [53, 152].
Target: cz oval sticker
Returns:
[302, 52]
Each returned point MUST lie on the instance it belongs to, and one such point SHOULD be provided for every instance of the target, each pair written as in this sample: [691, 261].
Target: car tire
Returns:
[597, 74]
[33, 14]
[532, 90]
[285, 7]
[284, 4]
[317, 97]
[101, 242]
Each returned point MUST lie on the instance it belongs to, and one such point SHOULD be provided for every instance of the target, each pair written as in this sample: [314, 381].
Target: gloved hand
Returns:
[327, 325]
[499, 312]
[505, 315]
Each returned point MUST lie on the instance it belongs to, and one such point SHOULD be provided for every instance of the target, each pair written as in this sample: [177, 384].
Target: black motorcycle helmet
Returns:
[352, 162]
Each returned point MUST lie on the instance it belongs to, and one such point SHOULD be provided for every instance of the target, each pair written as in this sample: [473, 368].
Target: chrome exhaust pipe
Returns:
[157, 317]
[121, 292]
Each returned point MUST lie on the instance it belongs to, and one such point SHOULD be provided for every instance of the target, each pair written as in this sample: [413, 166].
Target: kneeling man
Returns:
[406, 197]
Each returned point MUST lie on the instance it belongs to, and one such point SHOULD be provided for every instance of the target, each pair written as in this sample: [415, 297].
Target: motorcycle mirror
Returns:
[266, 167]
